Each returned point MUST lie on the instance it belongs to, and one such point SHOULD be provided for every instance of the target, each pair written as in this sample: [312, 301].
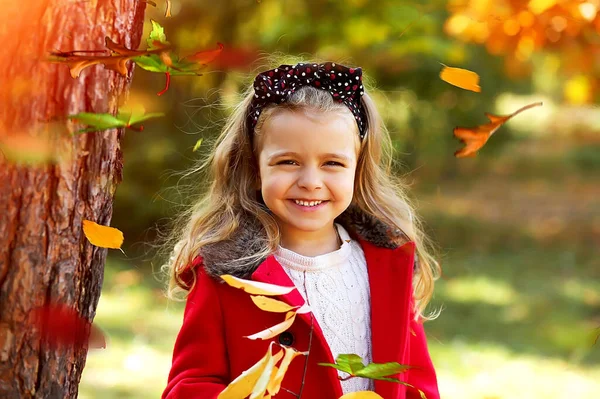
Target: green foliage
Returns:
[353, 365]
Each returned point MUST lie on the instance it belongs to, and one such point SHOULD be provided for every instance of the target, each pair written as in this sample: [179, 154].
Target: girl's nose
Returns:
[310, 179]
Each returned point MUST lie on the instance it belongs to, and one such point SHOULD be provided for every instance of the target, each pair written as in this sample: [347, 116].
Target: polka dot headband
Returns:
[343, 83]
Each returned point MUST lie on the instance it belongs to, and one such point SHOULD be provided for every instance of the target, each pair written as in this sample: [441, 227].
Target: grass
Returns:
[520, 299]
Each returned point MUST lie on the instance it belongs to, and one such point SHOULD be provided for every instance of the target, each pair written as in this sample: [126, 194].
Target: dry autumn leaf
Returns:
[275, 382]
[270, 304]
[276, 329]
[244, 384]
[476, 137]
[256, 287]
[102, 236]
[462, 78]
[168, 10]
[263, 381]
[361, 395]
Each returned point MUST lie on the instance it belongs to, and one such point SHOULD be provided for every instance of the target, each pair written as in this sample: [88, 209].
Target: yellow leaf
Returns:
[361, 395]
[263, 381]
[276, 329]
[102, 236]
[197, 145]
[243, 385]
[270, 304]
[277, 378]
[256, 287]
[462, 78]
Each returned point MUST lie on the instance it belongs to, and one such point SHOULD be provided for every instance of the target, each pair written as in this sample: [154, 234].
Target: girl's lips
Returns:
[309, 208]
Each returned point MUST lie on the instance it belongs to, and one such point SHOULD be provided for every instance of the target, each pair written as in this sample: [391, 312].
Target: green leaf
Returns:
[98, 121]
[197, 145]
[156, 34]
[377, 370]
[140, 118]
[153, 63]
[349, 363]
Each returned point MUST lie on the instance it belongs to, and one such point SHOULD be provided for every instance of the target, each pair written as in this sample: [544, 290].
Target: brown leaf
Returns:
[476, 137]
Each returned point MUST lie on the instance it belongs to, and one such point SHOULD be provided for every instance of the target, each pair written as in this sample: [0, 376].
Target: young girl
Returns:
[302, 195]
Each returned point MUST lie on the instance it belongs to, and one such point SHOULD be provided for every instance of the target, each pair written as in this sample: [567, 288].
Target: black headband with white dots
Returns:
[276, 85]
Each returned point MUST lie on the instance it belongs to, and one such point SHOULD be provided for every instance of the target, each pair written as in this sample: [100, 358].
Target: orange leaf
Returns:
[204, 57]
[168, 10]
[462, 78]
[475, 138]
[102, 236]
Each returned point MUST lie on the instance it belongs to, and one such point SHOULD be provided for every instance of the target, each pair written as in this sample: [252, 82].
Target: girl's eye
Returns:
[289, 161]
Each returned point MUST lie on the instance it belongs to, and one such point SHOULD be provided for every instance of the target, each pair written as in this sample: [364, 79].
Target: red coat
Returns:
[211, 351]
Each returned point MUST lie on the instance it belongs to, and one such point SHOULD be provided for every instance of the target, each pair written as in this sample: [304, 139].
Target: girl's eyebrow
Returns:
[326, 155]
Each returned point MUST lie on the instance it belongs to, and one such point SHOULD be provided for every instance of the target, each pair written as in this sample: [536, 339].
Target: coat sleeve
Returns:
[200, 368]
[422, 376]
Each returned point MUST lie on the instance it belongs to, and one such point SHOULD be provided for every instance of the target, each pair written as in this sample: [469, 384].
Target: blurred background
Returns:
[517, 227]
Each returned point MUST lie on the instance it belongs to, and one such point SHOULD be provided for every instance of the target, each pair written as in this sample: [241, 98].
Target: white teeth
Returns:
[304, 203]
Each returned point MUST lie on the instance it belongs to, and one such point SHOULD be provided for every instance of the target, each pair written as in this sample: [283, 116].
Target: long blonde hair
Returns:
[232, 193]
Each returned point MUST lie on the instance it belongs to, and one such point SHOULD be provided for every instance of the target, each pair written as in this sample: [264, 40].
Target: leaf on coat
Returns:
[462, 78]
[244, 384]
[270, 304]
[63, 326]
[275, 382]
[476, 137]
[102, 236]
[361, 395]
[256, 287]
[378, 370]
[276, 329]
[262, 383]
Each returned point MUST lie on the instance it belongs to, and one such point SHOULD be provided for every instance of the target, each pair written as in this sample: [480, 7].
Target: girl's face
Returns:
[308, 155]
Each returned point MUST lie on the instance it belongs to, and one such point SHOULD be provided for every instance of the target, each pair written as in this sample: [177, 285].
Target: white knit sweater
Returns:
[337, 286]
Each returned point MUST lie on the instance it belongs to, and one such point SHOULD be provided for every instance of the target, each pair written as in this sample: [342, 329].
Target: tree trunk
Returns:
[44, 256]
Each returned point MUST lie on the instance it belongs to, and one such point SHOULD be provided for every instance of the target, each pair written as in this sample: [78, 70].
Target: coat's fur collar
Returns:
[222, 257]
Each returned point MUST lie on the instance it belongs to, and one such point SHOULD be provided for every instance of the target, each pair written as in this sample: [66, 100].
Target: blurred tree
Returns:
[44, 256]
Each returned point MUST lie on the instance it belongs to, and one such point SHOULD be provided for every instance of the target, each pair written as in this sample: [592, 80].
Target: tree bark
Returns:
[44, 256]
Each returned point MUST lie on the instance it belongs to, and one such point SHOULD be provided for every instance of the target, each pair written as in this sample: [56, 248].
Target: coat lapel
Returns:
[390, 281]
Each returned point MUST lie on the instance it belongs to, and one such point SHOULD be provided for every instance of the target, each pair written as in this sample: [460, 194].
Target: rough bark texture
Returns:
[44, 256]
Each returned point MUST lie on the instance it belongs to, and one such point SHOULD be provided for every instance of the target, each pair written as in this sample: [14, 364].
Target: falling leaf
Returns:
[353, 365]
[475, 138]
[157, 34]
[63, 326]
[348, 363]
[197, 145]
[126, 117]
[102, 236]
[168, 10]
[117, 62]
[263, 381]
[276, 329]
[243, 385]
[361, 395]
[206, 56]
[275, 382]
[256, 287]
[462, 78]
[270, 304]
